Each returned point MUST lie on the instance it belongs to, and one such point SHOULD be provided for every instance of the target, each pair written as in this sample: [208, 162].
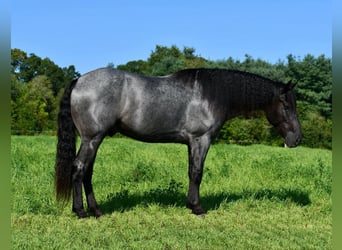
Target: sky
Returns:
[91, 34]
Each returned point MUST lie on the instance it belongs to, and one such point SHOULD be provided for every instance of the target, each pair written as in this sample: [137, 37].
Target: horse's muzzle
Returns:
[292, 139]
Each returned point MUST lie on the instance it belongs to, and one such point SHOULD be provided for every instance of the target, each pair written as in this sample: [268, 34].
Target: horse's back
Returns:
[106, 98]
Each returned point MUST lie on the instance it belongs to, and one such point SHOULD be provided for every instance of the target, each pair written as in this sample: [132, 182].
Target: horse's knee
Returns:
[79, 170]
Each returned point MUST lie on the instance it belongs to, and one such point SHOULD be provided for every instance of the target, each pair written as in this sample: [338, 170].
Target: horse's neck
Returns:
[251, 98]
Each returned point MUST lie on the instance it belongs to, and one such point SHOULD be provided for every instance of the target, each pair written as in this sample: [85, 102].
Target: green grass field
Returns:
[257, 197]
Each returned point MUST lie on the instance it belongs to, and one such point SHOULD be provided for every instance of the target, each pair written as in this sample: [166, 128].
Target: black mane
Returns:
[232, 90]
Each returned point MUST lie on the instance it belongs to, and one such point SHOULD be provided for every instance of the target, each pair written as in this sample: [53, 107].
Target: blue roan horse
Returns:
[188, 107]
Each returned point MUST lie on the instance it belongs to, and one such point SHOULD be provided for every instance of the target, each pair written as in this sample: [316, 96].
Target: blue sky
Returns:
[91, 34]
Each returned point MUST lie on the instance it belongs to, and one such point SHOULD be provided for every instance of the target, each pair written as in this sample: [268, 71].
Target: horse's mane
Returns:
[232, 88]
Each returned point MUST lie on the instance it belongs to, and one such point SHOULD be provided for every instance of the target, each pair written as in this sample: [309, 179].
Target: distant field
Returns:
[257, 197]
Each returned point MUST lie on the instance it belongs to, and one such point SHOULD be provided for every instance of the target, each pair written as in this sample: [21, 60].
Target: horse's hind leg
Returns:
[88, 188]
[82, 174]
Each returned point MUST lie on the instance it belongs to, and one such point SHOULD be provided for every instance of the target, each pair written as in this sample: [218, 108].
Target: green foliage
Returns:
[317, 131]
[166, 60]
[25, 68]
[257, 197]
[35, 108]
[313, 76]
[249, 130]
[275, 72]
[139, 67]
[36, 85]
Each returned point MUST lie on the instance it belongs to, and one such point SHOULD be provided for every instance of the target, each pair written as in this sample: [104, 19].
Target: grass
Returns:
[257, 197]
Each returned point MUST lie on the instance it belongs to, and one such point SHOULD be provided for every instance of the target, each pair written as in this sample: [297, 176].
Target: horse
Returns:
[187, 107]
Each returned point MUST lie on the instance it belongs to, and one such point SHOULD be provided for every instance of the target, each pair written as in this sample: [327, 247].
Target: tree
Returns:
[17, 91]
[167, 65]
[36, 84]
[110, 65]
[166, 60]
[36, 108]
[18, 58]
[314, 78]
[139, 67]
[189, 52]
[25, 68]
[54, 73]
[317, 130]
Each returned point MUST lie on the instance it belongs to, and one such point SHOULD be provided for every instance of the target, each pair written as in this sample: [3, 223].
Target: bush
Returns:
[317, 131]
[250, 130]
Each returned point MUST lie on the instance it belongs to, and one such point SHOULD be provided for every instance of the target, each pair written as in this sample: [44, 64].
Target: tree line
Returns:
[37, 85]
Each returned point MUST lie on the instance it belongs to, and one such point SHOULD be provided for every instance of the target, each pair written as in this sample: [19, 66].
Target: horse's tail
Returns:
[66, 147]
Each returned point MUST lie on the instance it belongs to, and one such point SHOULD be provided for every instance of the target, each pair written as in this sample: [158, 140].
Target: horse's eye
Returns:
[286, 109]
[286, 106]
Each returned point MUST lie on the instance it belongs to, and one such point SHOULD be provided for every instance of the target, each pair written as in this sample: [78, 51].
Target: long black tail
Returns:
[66, 147]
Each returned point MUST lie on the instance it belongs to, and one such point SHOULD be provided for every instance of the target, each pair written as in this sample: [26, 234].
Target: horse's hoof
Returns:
[81, 214]
[98, 213]
[198, 211]
[202, 216]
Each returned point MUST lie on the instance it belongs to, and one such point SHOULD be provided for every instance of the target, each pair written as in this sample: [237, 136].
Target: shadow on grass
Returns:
[172, 196]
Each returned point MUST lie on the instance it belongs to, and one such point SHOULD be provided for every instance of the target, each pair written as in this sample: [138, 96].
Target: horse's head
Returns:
[283, 116]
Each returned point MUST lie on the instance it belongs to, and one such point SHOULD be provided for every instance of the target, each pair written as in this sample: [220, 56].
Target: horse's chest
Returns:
[198, 116]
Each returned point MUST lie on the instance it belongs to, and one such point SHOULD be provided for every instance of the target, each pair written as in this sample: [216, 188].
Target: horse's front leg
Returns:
[197, 151]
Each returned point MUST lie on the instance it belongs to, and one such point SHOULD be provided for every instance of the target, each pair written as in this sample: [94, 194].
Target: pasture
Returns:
[257, 197]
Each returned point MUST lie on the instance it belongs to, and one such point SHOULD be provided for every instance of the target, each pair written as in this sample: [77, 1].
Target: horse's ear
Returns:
[289, 86]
